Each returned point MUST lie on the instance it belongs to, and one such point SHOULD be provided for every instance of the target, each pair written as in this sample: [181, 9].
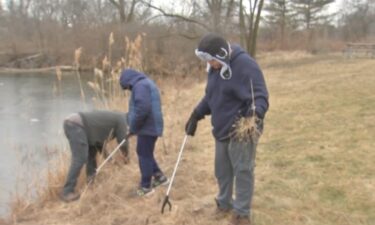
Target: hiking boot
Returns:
[239, 220]
[145, 192]
[160, 180]
[220, 213]
[71, 196]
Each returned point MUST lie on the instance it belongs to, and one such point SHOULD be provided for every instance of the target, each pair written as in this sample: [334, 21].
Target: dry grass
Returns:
[315, 160]
[246, 129]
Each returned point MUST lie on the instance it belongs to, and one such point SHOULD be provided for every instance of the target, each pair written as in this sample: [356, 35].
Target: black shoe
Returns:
[144, 192]
[239, 220]
[160, 180]
[220, 212]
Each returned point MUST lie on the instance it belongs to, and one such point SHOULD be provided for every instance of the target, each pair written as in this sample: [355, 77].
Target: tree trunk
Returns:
[249, 39]
[131, 12]
[283, 26]
[243, 36]
[120, 5]
[215, 7]
[255, 31]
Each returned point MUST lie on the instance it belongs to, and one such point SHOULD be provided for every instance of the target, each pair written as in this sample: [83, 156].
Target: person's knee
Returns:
[78, 161]
[244, 168]
[223, 174]
[145, 153]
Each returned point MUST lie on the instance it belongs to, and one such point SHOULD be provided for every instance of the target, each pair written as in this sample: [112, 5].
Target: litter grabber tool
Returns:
[110, 156]
[103, 163]
[166, 199]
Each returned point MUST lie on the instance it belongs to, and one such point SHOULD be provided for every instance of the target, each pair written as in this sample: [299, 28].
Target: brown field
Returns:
[315, 160]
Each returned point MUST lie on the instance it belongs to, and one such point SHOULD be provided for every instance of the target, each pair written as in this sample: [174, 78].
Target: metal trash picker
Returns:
[103, 163]
[166, 199]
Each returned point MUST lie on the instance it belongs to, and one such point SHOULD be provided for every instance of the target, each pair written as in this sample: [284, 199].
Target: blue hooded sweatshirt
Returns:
[145, 116]
[228, 100]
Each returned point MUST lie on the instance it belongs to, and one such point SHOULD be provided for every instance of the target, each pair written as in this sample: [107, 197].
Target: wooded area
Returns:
[50, 30]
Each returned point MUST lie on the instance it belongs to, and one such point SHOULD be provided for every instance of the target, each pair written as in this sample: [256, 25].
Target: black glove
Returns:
[191, 125]
[249, 112]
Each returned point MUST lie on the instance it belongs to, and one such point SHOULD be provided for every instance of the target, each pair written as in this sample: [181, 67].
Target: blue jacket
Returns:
[227, 100]
[145, 116]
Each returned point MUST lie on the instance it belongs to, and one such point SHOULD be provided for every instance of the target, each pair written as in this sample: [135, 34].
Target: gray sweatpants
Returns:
[234, 164]
[80, 155]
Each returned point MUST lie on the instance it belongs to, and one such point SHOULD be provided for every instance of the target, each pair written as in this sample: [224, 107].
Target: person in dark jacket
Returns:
[87, 133]
[228, 97]
[146, 121]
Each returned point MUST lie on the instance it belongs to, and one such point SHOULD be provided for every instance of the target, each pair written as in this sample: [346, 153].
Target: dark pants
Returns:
[234, 169]
[147, 163]
[81, 154]
[234, 166]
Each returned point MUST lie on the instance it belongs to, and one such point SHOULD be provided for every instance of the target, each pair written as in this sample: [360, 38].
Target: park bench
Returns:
[360, 49]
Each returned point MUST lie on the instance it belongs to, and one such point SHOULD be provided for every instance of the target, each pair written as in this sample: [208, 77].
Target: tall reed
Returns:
[108, 93]
[77, 57]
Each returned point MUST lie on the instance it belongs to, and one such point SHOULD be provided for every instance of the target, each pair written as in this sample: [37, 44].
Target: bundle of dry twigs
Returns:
[246, 129]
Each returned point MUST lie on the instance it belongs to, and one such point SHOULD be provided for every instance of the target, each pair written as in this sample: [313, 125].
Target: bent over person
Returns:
[146, 121]
[229, 97]
[87, 133]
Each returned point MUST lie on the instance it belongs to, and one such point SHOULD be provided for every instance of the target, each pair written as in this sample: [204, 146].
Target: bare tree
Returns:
[1, 17]
[73, 13]
[249, 20]
[19, 7]
[310, 12]
[219, 12]
[178, 17]
[45, 15]
[279, 17]
[357, 19]
[211, 15]
[126, 9]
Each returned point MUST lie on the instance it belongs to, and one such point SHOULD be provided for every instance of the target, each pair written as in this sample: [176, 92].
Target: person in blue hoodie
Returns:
[234, 80]
[145, 120]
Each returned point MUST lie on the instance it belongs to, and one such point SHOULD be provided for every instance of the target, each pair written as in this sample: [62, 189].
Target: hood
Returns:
[236, 51]
[130, 77]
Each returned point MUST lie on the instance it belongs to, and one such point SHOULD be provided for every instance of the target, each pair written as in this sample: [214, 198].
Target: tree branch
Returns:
[166, 14]
[116, 4]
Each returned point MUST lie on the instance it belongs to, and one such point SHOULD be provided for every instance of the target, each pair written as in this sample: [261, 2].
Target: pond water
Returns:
[32, 109]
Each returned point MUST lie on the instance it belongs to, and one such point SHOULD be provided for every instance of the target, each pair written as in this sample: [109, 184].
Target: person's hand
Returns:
[125, 159]
[191, 124]
[130, 134]
[249, 111]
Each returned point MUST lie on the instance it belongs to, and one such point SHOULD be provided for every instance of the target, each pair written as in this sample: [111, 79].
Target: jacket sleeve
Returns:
[252, 74]
[142, 107]
[260, 93]
[203, 108]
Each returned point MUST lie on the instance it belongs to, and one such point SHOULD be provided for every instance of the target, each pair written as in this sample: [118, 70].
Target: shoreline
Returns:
[64, 68]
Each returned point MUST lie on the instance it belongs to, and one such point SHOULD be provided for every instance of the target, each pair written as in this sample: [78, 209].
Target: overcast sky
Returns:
[333, 7]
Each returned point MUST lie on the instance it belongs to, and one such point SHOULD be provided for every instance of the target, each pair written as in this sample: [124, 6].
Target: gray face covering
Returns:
[204, 56]
[222, 57]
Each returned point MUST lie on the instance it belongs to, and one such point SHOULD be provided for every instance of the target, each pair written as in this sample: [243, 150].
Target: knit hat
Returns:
[214, 47]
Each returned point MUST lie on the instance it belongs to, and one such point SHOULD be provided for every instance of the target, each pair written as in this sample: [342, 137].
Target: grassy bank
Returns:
[315, 161]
